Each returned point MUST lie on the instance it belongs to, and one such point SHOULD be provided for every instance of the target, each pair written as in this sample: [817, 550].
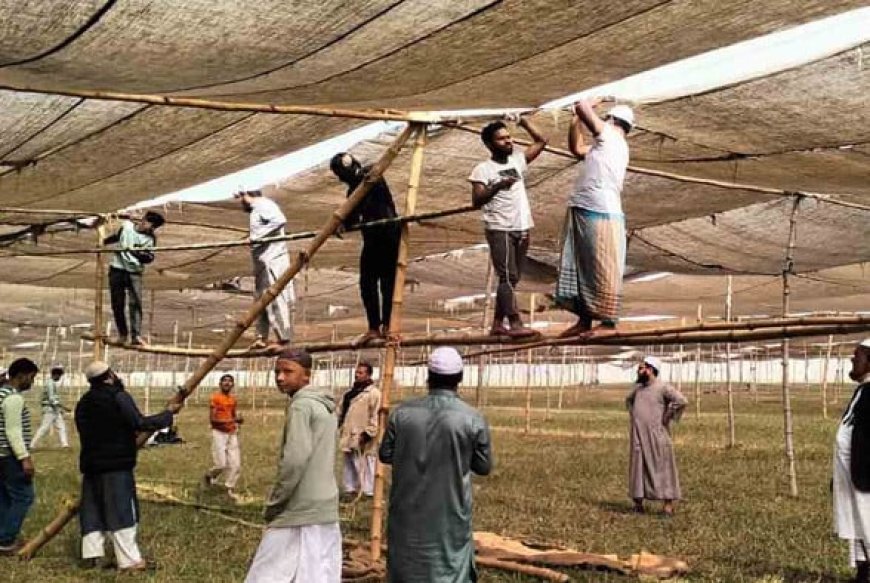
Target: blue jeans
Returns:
[16, 497]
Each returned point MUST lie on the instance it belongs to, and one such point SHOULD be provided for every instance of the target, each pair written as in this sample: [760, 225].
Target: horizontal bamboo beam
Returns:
[704, 333]
[829, 198]
[246, 242]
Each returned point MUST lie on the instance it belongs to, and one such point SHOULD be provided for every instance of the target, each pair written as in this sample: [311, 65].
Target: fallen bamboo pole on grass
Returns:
[514, 567]
[706, 333]
[256, 309]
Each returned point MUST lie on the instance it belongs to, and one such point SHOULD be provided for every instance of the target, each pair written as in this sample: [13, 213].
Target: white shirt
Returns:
[509, 209]
[267, 219]
[599, 186]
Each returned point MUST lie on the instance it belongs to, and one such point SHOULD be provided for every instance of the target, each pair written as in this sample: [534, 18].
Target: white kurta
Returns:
[298, 554]
[851, 507]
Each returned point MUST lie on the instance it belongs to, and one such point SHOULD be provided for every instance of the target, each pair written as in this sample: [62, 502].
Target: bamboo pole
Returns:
[541, 573]
[99, 285]
[487, 302]
[732, 439]
[244, 322]
[698, 367]
[743, 331]
[825, 365]
[788, 426]
[388, 371]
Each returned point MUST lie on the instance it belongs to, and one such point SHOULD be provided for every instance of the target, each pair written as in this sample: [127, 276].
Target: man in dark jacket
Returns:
[851, 483]
[108, 422]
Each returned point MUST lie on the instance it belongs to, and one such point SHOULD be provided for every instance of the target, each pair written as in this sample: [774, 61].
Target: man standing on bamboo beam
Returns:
[16, 463]
[302, 541]
[377, 261]
[652, 470]
[52, 409]
[434, 444]
[358, 430]
[108, 422]
[498, 188]
[851, 481]
[270, 261]
[125, 273]
[594, 244]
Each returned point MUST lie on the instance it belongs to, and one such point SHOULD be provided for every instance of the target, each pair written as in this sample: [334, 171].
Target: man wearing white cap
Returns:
[434, 444]
[652, 470]
[851, 483]
[108, 422]
[302, 540]
[593, 244]
[52, 409]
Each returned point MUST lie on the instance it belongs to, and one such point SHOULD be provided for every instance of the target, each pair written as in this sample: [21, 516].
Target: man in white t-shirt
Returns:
[498, 188]
[270, 262]
[593, 248]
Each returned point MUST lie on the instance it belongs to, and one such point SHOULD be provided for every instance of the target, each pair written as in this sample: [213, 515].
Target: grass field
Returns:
[565, 485]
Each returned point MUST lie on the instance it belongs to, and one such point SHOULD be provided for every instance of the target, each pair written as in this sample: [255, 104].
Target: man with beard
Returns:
[652, 405]
[498, 188]
[851, 480]
[434, 444]
[377, 261]
[270, 262]
[225, 451]
[16, 463]
[358, 429]
[108, 422]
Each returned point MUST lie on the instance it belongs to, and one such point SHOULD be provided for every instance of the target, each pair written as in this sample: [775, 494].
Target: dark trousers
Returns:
[108, 502]
[377, 276]
[126, 288]
[507, 249]
[16, 497]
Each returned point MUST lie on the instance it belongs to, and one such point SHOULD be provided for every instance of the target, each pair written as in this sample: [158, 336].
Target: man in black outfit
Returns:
[377, 261]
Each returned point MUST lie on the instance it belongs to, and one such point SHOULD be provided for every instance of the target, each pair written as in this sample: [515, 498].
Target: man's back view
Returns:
[434, 444]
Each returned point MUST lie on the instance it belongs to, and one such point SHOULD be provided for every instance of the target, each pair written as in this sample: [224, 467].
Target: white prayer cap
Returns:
[2, 372]
[445, 360]
[865, 343]
[653, 362]
[96, 369]
[624, 113]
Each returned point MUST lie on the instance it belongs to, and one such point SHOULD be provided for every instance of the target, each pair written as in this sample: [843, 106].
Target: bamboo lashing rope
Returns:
[704, 333]
[247, 242]
[259, 306]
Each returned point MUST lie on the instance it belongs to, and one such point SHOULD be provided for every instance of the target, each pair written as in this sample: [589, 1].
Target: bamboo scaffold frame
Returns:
[245, 321]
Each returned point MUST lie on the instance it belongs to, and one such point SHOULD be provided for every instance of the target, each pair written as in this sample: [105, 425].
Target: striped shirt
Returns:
[15, 428]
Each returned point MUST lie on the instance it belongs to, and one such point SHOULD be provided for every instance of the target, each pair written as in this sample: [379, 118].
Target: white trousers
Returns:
[49, 418]
[279, 314]
[298, 554]
[359, 472]
[123, 541]
[227, 457]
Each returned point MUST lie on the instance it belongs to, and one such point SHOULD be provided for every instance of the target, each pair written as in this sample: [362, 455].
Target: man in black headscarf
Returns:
[377, 261]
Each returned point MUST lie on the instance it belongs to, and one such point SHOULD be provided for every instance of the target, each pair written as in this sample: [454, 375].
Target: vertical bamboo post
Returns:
[395, 327]
[825, 365]
[562, 375]
[788, 426]
[732, 438]
[838, 382]
[490, 278]
[99, 285]
[528, 410]
[698, 369]
[151, 316]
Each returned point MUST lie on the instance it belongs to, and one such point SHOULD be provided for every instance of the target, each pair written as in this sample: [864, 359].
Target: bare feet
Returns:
[367, 337]
[138, 342]
[257, 344]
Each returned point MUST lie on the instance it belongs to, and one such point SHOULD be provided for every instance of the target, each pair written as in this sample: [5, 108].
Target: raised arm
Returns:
[136, 420]
[585, 111]
[576, 144]
[539, 141]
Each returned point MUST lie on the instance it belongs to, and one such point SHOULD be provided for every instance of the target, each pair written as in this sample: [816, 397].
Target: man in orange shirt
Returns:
[225, 422]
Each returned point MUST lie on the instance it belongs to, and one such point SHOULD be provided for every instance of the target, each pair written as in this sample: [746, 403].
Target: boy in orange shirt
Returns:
[225, 422]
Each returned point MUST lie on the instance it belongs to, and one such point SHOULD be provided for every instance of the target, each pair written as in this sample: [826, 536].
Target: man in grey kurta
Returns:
[434, 444]
[652, 469]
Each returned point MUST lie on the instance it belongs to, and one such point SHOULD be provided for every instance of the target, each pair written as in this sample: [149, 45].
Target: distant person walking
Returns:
[52, 409]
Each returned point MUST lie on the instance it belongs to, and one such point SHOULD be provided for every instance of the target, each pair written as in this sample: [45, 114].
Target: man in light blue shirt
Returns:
[125, 273]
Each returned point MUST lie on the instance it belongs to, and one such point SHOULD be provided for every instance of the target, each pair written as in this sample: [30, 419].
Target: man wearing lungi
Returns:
[108, 421]
[593, 244]
[851, 483]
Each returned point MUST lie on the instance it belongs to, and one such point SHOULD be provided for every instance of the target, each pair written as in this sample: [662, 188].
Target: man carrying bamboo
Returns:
[652, 406]
[270, 260]
[302, 540]
[851, 480]
[108, 422]
[594, 244]
[498, 188]
[52, 408]
[380, 251]
[358, 431]
[434, 444]
[125, 273]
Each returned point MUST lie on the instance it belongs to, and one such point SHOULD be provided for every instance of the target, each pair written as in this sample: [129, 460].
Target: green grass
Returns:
[735, 524]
